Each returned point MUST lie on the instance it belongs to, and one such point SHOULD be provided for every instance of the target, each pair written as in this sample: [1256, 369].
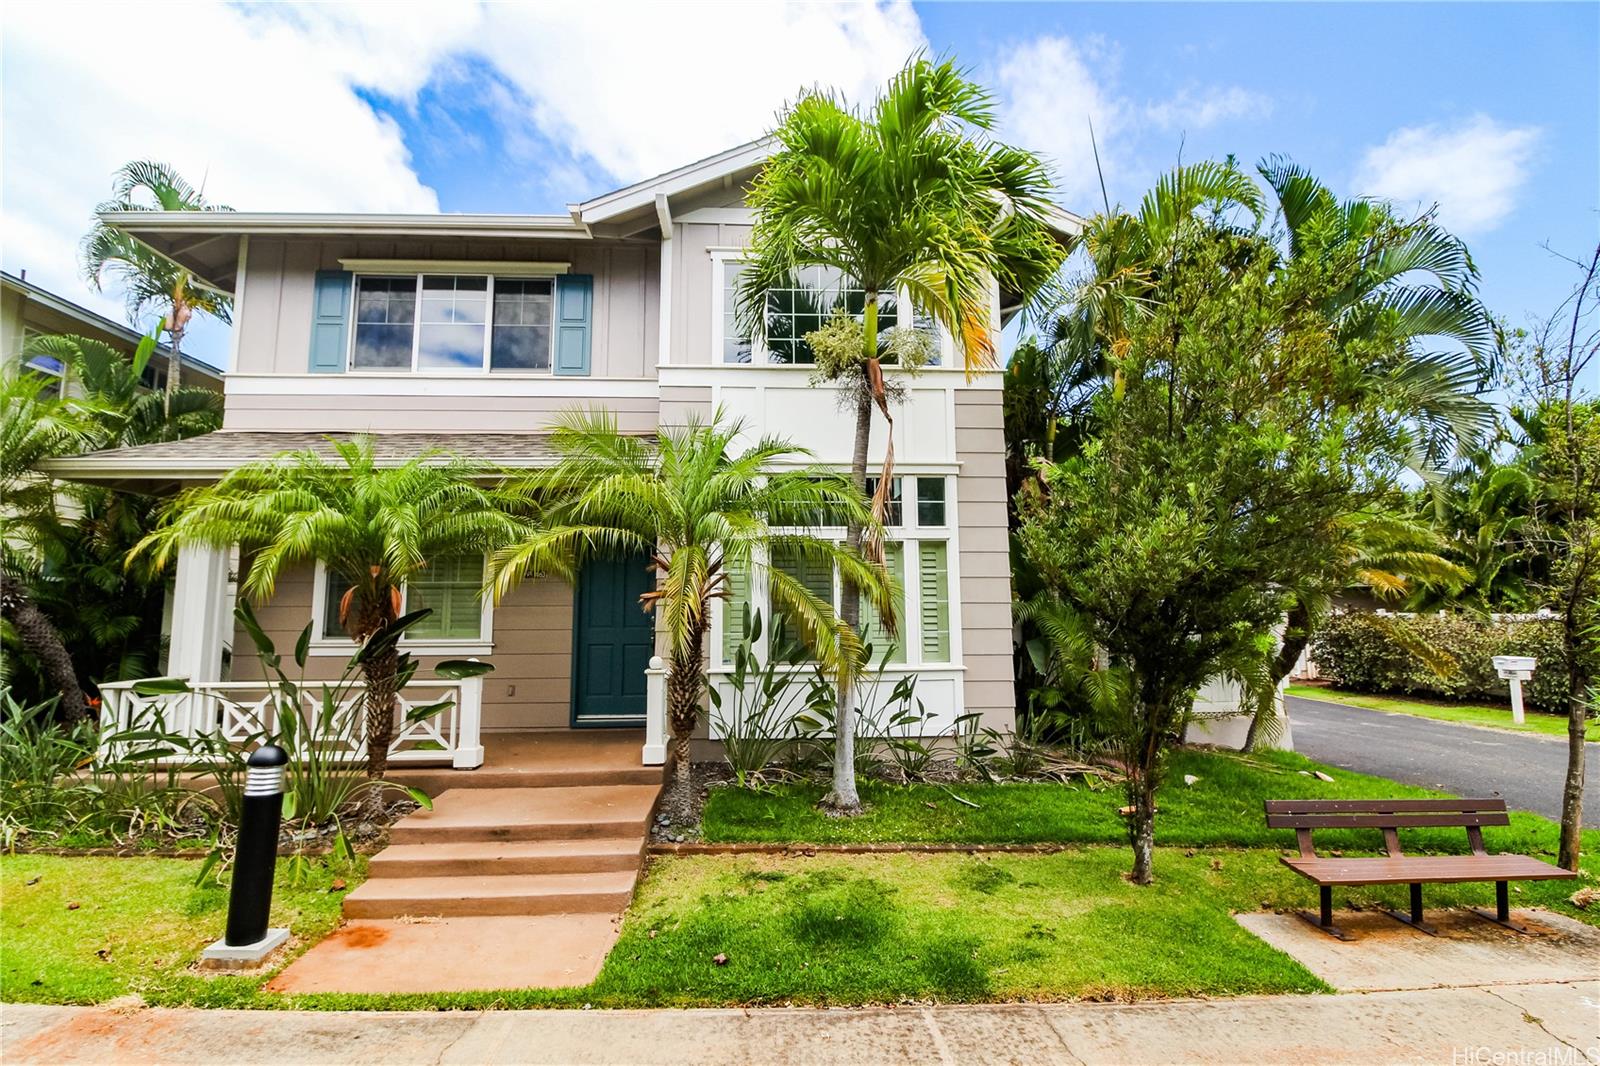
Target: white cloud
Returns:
[1472, 170]
[1053, 87]
[642, 88]
[1196, 109]
[264, 102]
[261, 111]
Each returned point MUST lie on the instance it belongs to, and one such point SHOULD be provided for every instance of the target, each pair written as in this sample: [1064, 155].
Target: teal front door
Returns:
[612, 642]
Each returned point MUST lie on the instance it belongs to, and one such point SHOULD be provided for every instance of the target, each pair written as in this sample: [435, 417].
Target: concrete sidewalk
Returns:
[1548, 1024]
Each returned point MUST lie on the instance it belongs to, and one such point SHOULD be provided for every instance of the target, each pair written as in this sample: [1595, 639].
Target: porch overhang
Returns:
[158, 469]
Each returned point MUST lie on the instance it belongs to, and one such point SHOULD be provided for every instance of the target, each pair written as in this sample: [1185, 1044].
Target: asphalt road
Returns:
[1526, 769]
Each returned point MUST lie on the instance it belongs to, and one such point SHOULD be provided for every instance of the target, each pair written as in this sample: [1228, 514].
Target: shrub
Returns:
[1446, 656]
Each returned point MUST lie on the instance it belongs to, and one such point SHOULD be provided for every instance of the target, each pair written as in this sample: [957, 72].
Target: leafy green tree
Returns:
[1237, 436]
[34, 426]
[911, 195]
[703, 507]
[1560, 415]
[374, 525]
[149, 279]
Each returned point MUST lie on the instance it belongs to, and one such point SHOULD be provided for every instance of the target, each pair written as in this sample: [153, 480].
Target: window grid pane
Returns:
[385, 316]
[454, 309]
[334, 587]
[736, 344]
[521, 337]
[894, 513]
[804, 306]
[930, 501]
[450, 586]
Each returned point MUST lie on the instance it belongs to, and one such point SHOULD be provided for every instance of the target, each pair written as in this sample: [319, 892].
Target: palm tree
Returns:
[148, 278]
[35, 426]
[702, 507]
[909, 195]
[373, 526]
[115, 398]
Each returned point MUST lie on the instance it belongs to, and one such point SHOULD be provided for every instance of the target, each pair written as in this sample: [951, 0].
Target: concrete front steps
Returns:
[567, 838]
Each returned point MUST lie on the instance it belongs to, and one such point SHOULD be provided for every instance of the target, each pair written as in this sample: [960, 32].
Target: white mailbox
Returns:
[1515, 669]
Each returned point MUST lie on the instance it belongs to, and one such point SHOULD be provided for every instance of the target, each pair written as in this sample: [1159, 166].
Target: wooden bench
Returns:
[1397, 868]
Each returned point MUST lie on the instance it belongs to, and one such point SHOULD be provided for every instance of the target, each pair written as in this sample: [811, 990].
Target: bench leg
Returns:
[1414, 919]
[1325, 920]
[1502, 911]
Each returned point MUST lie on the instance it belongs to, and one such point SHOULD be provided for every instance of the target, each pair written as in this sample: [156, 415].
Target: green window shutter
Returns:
[933, 582]
[738, 598]
[574, 308]
[330, 321]
[877, 633]
[817, 576]
[450, 586]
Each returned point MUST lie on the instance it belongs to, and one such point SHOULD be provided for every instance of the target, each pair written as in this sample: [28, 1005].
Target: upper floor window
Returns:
[47, 365]
[443, 322]
[802, 307]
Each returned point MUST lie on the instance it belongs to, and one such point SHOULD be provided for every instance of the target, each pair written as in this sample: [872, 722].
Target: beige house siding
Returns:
[274, 330]
[984, 558]
[692, 341]
[479, 413]
[531, 687]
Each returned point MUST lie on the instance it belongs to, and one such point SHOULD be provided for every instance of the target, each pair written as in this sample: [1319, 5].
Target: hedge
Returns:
[1366, 652]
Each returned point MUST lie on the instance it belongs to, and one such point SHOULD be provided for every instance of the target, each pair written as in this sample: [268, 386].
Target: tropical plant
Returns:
[149, 279]
[911, 195]
[34, 427]
[37, 759]
[115, 399]
[1239, 432]
[757, 720]
[703, 504]
[375, 526]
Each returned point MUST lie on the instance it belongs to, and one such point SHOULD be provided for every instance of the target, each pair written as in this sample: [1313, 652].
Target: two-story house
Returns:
[468, 333]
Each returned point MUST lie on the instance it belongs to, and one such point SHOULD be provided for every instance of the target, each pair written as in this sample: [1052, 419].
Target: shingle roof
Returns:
[150, 466]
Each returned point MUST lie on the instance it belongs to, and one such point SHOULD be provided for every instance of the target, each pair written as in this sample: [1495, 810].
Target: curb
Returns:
[857, 849]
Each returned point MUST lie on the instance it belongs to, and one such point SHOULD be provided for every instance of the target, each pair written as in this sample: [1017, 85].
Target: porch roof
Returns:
[158, 468]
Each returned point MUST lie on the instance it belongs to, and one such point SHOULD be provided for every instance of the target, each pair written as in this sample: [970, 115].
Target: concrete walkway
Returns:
[1526, 1023]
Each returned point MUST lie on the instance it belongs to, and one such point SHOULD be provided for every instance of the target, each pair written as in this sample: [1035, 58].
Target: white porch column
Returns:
[199, 614]
[469, 721]
[655, 712]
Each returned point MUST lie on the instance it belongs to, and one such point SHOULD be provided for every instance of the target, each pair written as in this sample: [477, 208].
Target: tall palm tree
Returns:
[701, 506]
[148, 278]
[910, 194]
[35, 426]
[372, 525]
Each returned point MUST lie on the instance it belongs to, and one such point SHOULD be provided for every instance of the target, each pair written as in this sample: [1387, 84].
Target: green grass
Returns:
[138, 926]
[1490, 715]
[1222, 808]
[829, 928]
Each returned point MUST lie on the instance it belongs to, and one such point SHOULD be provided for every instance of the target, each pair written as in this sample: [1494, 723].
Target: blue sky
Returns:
[1491, 111]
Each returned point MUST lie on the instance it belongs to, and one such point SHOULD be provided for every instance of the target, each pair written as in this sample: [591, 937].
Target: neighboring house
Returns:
[469, 333]
[27, 311]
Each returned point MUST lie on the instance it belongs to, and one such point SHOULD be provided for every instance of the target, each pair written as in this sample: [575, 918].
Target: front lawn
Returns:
[1492, 716]
[1223, 807]
[85, 930]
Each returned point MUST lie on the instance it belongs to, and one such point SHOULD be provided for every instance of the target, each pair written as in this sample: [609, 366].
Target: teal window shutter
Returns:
[330, 321]
[574, 309]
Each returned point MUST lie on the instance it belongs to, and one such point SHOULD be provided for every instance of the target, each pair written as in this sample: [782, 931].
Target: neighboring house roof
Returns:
[61, 305]
[151, 467]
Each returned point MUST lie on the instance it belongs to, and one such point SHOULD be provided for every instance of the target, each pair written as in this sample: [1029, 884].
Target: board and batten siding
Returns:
[693, 283]
[531, 687]
[985, 563]
[274, 334]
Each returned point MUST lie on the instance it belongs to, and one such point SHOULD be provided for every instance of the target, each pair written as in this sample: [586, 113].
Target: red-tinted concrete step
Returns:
[480, 814]
[481, 858]
[435, 782]
[449, 897]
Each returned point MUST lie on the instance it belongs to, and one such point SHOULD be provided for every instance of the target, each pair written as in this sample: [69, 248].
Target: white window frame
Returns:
[760, 355]
[29, 335]
[909, 534]
[340, 644]
[539, 271]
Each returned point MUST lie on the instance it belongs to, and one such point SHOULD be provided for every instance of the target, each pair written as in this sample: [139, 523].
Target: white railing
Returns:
[241, 712]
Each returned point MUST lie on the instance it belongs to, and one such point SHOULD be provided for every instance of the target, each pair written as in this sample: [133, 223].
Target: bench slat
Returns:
[1346, 806]
[1384, 821]
[1429, 869]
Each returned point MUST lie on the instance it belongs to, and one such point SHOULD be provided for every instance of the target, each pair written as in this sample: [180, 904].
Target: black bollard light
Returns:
[255, 858]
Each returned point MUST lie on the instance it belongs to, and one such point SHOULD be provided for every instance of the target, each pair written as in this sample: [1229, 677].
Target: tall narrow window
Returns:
[736, 344]
[521, 336]
[333, 589]
[450, 585]
[386, 310]
[933, 584]
[454, 312]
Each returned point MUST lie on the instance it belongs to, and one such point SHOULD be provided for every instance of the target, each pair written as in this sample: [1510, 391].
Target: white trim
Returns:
[339, 224]
[238, 302]
[440, 383]
[930, 378]
[701, 172]
[324, 645]
[664, 215]
[667, 251]
[455, 266]
[722, 216]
